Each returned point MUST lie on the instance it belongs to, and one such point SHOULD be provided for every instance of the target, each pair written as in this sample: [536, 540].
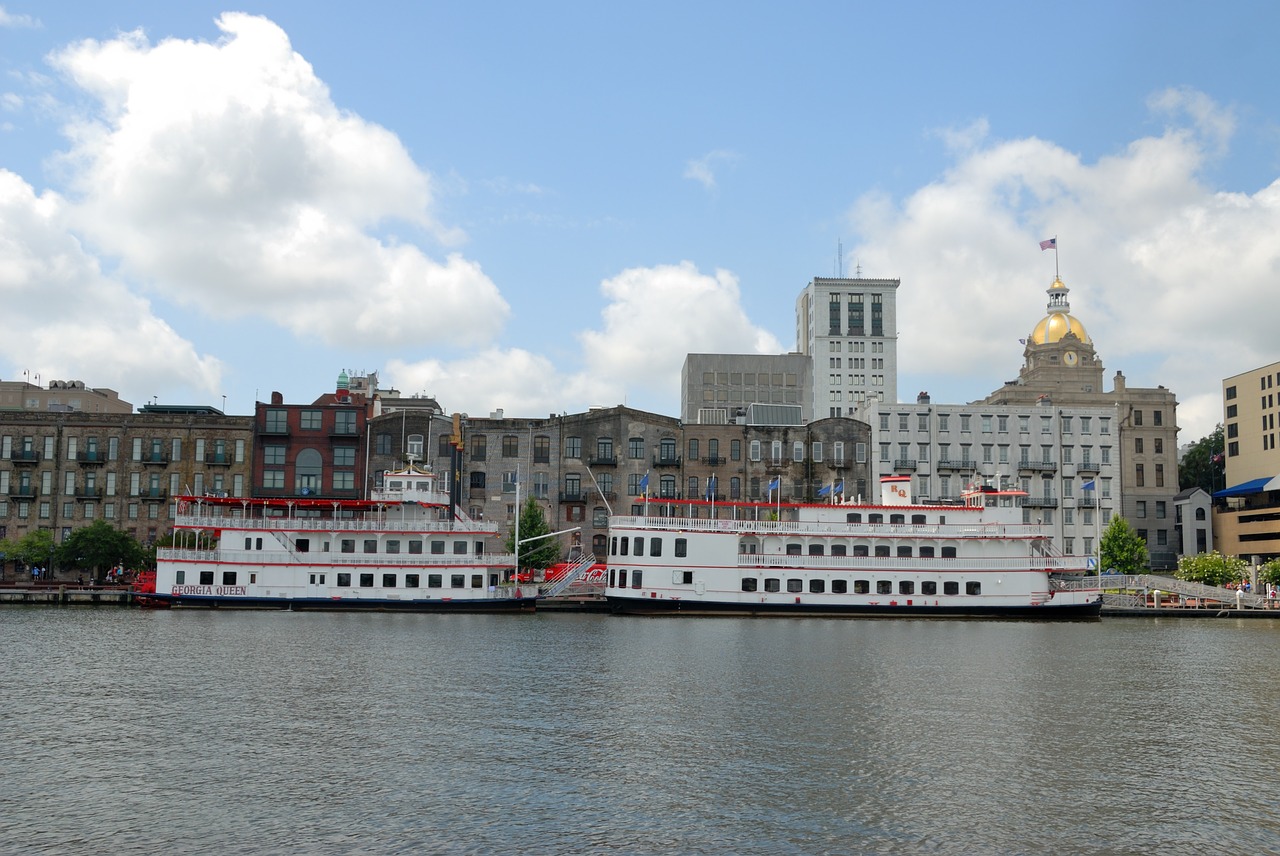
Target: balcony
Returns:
[24, 491]
[153, 493]
[602, 461]
[1086, 502]
[572, 496]
[1040, 502]
[666, 460]
[90, 459]
[1037, 466]
[1089, 467]
[24, 456]
[156, 459]
[217, 459]
[961, 466]
[90, 493]
[838, 464]
[714, 461]
[904, 464]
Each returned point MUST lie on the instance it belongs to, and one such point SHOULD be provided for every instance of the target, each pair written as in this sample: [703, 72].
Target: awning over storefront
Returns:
[1251, 487]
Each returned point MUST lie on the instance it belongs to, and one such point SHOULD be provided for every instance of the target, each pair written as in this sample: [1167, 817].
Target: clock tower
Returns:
[1059, 355]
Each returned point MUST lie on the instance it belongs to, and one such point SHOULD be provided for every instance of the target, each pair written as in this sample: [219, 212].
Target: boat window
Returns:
[817, 586]
[479, 548]
[622, 578]
[897, 518]
[366, 581]
[393, 545]
[371, 545]
[228, 578]
[302, 545]
[853, 517]
[206, 578]
[344, 580]
[884, 587]
[612, 578]
[248, 543]
[817, 549]
[839, 586]
[682, 578]
[415, 546]
[882, 550]
[926, 552]
[749, 583]
[948, 552]
[906, 587]
[433, 581]
[635, 579]
[682, 547]
[918, 519]
[950, 587]
[639, 547]
[904, 551]
[875, 518]
[795, 585]
[477, 580]
[793, 549]
[411, 580]
[973, 587]
[457, 581]
[613, 546]
[388, 580]
[625, 545]
[861, 586]
[459, 548]
[437, 548]
[861, 550]
[929, 587]
[180, 577]
[655, 546]
[347, 545]
[395, 485]
[771, 584]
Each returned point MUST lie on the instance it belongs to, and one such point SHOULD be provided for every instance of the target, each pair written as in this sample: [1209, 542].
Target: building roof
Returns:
[1251, 487]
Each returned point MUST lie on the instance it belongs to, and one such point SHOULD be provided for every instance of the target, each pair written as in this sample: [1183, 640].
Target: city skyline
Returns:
[544, 210]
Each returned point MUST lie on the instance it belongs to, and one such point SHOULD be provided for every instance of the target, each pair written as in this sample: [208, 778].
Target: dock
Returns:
[66, 594]
[1151, 596]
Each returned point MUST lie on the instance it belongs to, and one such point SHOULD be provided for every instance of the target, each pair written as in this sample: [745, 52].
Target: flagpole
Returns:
[1055, 258]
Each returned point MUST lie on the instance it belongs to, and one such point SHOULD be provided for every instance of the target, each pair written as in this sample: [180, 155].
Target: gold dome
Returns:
[1059, 322]
[1053, 327]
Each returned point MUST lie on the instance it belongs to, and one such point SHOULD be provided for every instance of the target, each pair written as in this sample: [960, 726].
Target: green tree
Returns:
[1212, 569]
[534, 555]
[1203, 465]
[100, 546]
[1269, 573]
[34, 548]
[1122, 549]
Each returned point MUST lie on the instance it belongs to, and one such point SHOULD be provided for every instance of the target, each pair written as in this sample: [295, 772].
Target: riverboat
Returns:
[977, 557]
[408, 547]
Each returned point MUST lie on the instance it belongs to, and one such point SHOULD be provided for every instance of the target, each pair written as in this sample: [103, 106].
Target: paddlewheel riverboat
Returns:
[406, 548]
[973, 558]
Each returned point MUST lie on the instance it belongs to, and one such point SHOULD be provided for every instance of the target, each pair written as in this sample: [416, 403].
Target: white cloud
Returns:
[222, 175]
[9, 19]
[1174, 282]
[701, 169]
[654, 317]
[65, 320]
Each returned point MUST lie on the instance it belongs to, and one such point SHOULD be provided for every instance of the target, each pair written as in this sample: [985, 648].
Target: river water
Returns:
[134, 731]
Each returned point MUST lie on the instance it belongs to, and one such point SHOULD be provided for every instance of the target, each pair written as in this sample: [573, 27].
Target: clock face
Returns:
[1069, 358]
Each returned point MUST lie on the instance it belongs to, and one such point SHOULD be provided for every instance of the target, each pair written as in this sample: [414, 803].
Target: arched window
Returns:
[308, 472]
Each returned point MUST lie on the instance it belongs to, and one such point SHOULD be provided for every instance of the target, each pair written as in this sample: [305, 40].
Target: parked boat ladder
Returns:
[571, 575]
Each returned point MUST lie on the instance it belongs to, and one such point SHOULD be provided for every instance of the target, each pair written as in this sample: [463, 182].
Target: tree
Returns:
[534, 555]
[1269, 573]
[100, 546]
[1122, 549]
[34, 548]
[1212, 569]
[1203, 465]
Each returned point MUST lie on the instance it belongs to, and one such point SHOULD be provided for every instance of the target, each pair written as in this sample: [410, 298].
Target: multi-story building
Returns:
[1246, 511]
[717, 388]
[63, 470]
[849, 329]
[1065, 458]
[61, 396]
[1061, 366]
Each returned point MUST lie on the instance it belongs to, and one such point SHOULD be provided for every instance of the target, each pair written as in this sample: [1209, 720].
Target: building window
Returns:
[542, 449]
[277, 422]
[635, 448]
[573, 447]
[414, 446]
[311, 420]
[344, 422]
[510, 446]
[479, 447]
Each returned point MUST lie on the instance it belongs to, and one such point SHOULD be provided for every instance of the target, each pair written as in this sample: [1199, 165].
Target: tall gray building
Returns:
[849, 328]
[719, 388]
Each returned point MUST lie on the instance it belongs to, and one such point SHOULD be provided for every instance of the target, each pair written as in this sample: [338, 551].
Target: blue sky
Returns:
[544, 207]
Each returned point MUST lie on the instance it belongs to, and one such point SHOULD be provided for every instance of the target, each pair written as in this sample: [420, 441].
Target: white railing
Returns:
[909, 565]
[389, 524]
[867, 530]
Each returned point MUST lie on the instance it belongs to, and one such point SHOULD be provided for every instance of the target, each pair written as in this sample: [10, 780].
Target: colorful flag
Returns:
[776, 483]
[1051, 244]
[644, 482]
[711, 487]
[825, 490]
[1089, 485]
[839, 489]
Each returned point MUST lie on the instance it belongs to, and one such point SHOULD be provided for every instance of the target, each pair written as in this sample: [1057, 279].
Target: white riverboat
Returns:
[407, 547]
[975, 558]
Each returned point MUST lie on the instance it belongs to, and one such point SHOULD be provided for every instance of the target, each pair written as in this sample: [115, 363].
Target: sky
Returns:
[543, 207]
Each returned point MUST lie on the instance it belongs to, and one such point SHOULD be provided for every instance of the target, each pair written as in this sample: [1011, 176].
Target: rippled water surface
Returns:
[226, 732]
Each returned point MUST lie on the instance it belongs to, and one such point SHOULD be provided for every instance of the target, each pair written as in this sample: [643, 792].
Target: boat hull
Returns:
[326, 604]
[674, 606]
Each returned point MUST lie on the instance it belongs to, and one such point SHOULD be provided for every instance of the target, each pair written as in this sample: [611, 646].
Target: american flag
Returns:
[1051, 244]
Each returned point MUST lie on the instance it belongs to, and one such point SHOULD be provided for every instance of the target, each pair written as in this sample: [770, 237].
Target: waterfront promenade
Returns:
[67, 593]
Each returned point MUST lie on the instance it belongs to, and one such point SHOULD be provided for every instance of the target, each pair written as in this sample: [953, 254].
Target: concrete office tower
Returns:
[849, 328]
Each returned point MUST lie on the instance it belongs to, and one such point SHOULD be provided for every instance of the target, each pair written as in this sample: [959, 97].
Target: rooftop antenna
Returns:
[858, 273]
[839, 259]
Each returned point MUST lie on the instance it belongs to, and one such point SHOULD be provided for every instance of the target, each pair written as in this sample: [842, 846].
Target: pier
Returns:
[1151, 596]
[68, 594]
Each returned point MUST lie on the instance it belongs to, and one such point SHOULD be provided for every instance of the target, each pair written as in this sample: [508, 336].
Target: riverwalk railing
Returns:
[574, 571]
[1140, 589]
